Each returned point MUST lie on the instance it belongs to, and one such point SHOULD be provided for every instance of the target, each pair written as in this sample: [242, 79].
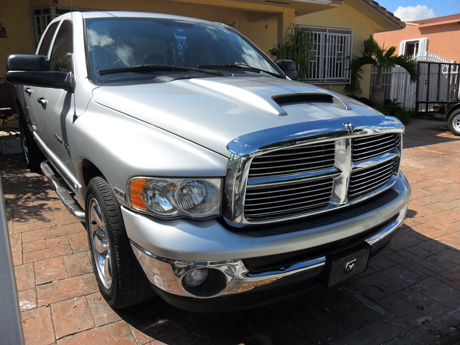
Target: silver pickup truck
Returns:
[203, 173]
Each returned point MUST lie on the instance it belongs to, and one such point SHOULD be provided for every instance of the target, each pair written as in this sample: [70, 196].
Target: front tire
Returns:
[454, 122]
[120, 278]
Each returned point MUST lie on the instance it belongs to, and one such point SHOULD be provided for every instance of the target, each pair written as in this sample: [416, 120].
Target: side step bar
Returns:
[70, 203]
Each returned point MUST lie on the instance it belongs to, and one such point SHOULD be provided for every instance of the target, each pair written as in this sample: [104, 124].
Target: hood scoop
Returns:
[242, 95]
[308, 98]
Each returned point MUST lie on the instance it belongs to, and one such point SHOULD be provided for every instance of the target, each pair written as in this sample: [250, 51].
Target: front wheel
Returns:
[120, 278]
[454, 122]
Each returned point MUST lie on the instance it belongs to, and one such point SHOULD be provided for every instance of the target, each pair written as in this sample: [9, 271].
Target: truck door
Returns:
[54, 107]
[30, 101]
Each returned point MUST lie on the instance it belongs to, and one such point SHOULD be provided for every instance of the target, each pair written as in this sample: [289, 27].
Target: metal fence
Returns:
[396, 81]
[438, 85]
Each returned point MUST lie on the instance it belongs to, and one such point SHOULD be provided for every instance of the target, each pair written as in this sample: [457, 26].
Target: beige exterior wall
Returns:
[351, 16]
[263, 24]
[442, 39]
[20, 32]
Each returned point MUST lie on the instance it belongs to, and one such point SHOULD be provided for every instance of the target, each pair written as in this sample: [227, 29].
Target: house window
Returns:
[41, 17]
[330, 55]
[413, 47]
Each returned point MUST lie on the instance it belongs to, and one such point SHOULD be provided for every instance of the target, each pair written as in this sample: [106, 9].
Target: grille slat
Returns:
[375, 149]
[368, 180]
[289, 204]
[355, 194]
[281, 189]
[291, 211]
[371, 182]
[281, 161]
[298, 152]
[363, 177]
[286, 200]
[368, 147]
[369, 142]
[250, 199]
[291, 161]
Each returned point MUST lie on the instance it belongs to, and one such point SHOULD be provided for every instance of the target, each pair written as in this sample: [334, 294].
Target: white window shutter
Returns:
[422, 45]
[402, 48]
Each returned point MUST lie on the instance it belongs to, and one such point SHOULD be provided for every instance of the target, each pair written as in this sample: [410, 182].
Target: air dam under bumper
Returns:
[168, 251]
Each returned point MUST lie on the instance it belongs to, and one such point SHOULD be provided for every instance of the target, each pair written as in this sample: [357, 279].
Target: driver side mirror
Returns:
[34, 70]
[288, 67]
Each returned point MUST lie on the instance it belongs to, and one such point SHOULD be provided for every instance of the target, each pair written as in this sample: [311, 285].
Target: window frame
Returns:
[41, 21]
[55, 55]
[325, 53]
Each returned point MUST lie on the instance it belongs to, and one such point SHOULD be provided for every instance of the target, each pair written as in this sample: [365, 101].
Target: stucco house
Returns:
[438, 35]
[339, 26]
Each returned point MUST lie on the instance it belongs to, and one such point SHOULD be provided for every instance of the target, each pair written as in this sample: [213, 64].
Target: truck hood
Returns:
[212, 112]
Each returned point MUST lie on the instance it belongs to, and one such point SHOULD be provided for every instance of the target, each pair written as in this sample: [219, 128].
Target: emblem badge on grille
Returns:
[350, 266]
[349, 126]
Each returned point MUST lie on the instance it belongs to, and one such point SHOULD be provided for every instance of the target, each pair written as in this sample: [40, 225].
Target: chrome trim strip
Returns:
[369, 163]
[296, 268]
[389, 229]
[281, 180]
[167, 274]
[344, 163]
[312, 131]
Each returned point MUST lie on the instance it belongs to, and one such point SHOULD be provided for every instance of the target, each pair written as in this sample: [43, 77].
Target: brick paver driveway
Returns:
[409, 295]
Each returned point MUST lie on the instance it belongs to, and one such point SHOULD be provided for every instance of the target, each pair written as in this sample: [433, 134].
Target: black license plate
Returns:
[345, 264]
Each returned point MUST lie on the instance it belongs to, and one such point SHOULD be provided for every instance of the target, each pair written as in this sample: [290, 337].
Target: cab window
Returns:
[61, 56]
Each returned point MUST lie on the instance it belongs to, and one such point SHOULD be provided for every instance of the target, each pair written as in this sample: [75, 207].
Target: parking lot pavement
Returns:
[409, 295]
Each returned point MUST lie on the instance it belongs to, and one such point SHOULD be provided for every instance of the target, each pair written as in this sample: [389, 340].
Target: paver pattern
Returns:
[409, 295]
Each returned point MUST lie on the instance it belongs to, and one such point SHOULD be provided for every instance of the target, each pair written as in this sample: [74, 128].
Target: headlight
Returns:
[172, 197]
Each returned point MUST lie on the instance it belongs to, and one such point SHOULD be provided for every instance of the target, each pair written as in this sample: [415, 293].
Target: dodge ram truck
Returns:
[203, 173]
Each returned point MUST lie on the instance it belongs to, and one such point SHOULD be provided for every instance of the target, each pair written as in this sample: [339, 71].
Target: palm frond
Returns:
[356, 71]
[380, 57]
[409, 64]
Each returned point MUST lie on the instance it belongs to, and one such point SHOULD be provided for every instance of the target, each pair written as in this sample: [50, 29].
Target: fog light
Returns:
[196, 277]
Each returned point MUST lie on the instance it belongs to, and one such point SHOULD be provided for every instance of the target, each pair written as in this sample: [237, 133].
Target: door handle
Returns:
[42, 101]
[28, 91]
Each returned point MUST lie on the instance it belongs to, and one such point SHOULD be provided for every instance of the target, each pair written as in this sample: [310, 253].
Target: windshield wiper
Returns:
[157, 68]
[242, 67]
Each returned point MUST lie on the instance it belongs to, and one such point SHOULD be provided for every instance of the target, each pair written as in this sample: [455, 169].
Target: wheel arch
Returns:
[88, 171]
[452, 109]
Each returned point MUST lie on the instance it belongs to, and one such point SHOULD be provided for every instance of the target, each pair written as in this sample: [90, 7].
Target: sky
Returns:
[408, 10]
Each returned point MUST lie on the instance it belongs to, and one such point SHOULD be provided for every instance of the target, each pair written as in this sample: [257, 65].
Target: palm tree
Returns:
[382, 58]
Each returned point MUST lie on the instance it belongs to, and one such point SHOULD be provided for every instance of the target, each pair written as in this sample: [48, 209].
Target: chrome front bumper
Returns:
[168, 274]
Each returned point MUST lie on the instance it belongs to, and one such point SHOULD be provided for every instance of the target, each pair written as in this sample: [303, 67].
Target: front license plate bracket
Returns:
[345, 264]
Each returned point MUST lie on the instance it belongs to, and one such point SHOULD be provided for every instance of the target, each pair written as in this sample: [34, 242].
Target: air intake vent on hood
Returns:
[307, 98]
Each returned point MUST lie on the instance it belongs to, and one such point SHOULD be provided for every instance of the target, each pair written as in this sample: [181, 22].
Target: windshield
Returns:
[116, 45]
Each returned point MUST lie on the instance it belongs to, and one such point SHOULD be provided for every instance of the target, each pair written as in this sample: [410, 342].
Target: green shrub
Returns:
[395, 108]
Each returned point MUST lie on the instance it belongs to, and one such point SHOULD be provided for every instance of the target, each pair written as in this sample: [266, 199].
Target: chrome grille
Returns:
[287, 199]
[365, 181]
[372, 146]
[290, 182]
[291, 161]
